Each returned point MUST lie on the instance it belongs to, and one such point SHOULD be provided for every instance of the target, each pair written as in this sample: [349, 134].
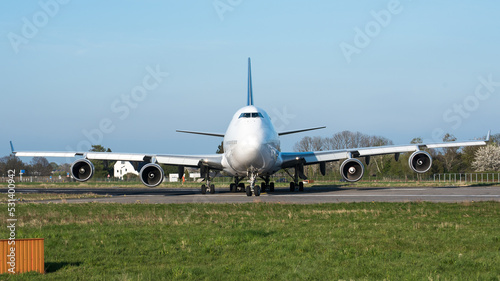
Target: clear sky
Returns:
[127, 74]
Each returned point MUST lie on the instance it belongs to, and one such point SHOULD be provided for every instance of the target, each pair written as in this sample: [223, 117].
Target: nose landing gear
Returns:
[252, 177]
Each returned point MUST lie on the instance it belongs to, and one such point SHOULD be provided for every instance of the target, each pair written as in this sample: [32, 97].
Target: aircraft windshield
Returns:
[251, 115]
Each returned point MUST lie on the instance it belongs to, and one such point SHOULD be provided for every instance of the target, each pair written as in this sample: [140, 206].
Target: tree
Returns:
[416, 140]
[495, 138]
[468, 155]
[487, 158]
[39, 166]
[451, 157]
[103, 168]
[11, 162]
[305, 144]
[220, 148]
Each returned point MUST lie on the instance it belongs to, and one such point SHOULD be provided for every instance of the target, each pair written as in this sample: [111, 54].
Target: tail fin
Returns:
[250, 93]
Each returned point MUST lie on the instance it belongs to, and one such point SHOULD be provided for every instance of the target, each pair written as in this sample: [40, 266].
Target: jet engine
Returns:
[420, 161]
[82, 170]
[151, 175]
[352, 170]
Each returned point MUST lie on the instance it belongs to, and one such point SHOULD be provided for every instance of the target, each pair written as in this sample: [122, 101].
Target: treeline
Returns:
[38, 166]
[447, 160]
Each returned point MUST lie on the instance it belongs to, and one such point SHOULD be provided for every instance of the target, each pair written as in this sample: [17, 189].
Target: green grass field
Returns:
[357, 241]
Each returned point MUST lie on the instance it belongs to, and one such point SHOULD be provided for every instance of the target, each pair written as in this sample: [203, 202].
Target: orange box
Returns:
[29, 255]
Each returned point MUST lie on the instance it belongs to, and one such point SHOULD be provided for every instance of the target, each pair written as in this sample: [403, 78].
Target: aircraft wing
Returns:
[290, 159]
[213, 161]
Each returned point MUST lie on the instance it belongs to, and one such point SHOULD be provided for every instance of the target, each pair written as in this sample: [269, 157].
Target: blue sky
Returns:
[410, 69]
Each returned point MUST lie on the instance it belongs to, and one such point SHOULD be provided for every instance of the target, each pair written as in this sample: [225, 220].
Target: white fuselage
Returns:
[251, 144]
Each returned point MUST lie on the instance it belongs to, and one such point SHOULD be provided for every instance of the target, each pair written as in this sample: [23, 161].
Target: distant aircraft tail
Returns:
[250, 93]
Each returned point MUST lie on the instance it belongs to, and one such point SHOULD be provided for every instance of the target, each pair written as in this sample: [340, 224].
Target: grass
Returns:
[357, 241]
[23, 197]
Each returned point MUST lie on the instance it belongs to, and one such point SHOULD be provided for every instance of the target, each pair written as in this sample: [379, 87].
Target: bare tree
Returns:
[305, 144]
[39, 166]
[11, 162]
[450, 154]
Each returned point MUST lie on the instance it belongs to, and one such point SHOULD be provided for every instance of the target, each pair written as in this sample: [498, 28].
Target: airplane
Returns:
[252, 150]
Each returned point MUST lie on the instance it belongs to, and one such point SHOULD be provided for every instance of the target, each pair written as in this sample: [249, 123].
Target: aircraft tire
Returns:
[212, 189]
[301, 186]
[203, 189]
[256, 190]
[292, 186]
[248, 191]
[271, 187]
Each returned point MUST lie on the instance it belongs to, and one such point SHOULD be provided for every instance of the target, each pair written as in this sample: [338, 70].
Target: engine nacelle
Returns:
[82, 170]
[420, 161]
[352, 170]
[151, 175]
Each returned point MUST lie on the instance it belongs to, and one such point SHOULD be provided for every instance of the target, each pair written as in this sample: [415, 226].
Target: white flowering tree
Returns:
[487, 158]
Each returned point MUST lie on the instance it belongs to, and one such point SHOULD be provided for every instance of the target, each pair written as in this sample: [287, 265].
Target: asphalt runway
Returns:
[322, 194]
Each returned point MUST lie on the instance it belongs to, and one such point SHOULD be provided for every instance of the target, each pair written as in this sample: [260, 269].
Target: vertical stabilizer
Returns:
[250, 93]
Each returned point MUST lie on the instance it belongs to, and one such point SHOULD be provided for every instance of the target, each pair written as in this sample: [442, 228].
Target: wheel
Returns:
[292, 186]
[271, 187]
[256, 190]
[241, 186]
[248, 190]
[263, 187]
[212, 189]
[203, 189]
[301, 186]
[232, 187]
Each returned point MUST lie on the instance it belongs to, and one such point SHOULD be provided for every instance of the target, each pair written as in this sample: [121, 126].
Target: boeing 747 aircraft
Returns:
[252, 151]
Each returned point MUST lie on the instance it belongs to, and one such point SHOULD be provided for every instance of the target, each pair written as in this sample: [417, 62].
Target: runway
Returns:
[323, 194]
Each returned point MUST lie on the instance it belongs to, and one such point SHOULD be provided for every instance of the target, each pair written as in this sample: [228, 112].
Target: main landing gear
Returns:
[266, 185]
[237, 185]
[299, 173]
[208, 187]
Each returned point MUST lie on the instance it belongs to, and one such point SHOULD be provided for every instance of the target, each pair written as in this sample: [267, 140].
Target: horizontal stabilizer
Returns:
[201, 133]
[300, 131]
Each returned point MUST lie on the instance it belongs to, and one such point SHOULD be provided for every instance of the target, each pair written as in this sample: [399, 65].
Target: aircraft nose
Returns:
[248, 153]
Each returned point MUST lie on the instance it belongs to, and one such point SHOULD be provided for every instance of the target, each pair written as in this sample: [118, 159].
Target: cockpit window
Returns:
[251, 115]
